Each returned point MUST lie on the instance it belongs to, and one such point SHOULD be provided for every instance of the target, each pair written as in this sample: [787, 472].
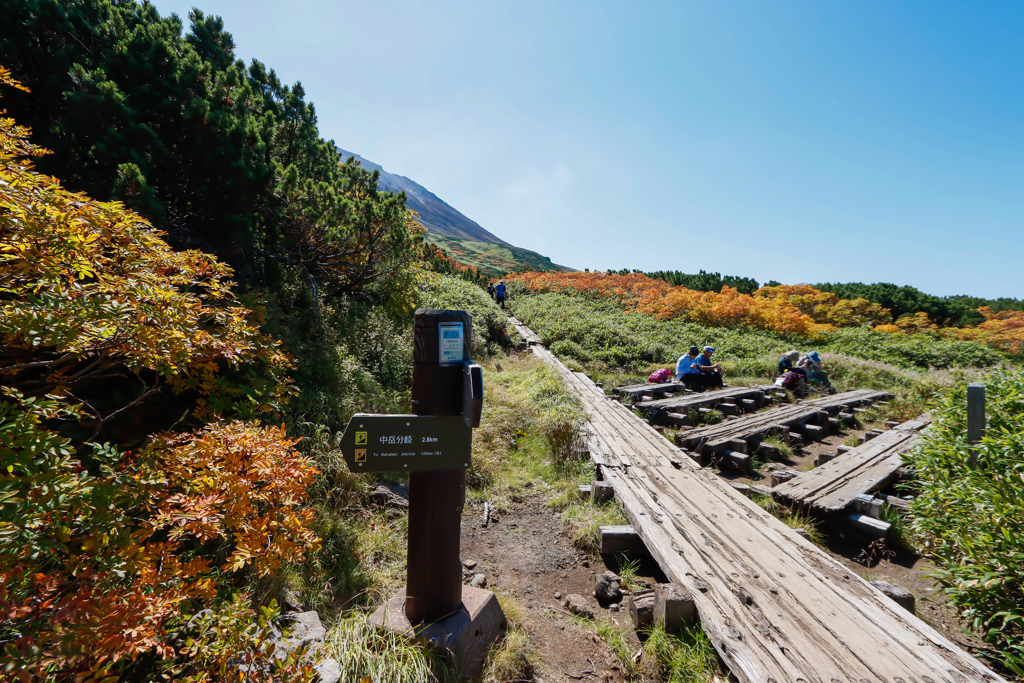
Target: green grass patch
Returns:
[371, 656]
[687, 657]
[585, 520]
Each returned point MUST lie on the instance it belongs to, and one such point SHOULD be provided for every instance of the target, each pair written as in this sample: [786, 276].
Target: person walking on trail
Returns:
[688, 372]
[710, 371]
[490, 290]
[499, 293]
[812, 364]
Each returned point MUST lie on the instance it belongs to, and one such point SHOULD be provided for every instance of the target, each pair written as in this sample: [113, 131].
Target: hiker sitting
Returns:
[688, 372]
[812, 364]
[791, 376]
[710, 372]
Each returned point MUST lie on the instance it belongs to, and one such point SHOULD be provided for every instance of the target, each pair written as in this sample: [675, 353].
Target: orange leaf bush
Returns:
[104, 552]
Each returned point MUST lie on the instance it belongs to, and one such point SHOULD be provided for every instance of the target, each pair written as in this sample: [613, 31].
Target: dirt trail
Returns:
[529, 555]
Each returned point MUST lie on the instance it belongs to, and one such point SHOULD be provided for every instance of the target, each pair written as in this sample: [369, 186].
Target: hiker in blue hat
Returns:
[710, 372]
[812, 364]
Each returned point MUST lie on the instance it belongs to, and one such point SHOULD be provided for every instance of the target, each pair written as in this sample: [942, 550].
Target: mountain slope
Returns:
[464, 239]
[437, 215]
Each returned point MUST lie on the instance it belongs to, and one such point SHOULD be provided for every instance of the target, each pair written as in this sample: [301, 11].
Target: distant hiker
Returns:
[812, 364]
[688, 372]
[710, 372]
[499, 293]
[490, 289]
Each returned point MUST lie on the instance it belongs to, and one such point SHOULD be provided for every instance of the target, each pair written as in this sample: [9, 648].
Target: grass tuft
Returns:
[685, 658]
[371, 656]
[585, 520]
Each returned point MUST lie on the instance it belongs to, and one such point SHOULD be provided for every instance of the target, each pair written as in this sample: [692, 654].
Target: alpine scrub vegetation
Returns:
[783, 309]
[135, 488]
[968, 511]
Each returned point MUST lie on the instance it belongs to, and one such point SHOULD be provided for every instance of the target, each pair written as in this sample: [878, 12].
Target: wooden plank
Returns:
[835, 485]
[776, 607]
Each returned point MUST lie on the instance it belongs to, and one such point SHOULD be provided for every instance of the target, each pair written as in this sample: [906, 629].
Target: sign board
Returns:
[406, 443]
[450, 343]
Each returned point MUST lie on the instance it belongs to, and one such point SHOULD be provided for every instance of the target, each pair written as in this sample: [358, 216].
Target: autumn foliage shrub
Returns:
[785, 309]
[131, 494]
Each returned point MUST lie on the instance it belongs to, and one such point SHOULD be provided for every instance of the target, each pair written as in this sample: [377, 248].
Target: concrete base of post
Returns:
[466, 635]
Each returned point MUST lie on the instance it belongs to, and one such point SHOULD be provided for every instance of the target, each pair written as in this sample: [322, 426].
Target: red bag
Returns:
[659, 376]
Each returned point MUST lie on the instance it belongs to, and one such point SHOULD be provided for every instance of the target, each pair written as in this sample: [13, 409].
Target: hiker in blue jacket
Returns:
[687, 371]
[499, 293]
[710, 372]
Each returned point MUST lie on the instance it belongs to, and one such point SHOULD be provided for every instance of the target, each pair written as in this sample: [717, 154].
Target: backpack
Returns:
[659, 376]
[789, 380]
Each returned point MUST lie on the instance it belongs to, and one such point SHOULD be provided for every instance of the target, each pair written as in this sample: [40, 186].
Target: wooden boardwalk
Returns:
[776, 607]
[834, 486]
[528, 335]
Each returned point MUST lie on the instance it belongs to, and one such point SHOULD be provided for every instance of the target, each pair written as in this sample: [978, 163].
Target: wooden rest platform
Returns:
[738, 435]
[776, 607]
[834, 486]
[758, 396]
[637, 391]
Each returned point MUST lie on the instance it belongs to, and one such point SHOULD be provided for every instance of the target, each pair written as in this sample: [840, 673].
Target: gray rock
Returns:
[577, 604]
[607, 588]
[329, 671]
[394, 496]
[305, 627]
[901, 596]
[469, 564]
[479, 581]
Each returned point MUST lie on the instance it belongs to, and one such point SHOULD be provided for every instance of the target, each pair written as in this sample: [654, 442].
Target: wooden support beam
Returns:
[824, 457]
[776, 477]
[601, 492]
[868, 526]
[674, 607]
[641, 608]
[621, 539]
[584, 490]
[735, 460]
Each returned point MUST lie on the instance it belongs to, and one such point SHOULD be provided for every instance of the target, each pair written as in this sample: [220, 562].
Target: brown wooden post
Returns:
[436, 498]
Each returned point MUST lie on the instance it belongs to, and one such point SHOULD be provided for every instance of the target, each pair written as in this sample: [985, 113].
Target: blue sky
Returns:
[795, 141]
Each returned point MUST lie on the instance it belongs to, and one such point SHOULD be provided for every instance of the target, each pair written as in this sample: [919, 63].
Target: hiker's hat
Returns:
[792, 354]
[708, 349]
[813, 355]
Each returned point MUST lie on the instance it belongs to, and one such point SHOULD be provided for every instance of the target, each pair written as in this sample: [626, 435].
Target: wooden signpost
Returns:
[434, 446]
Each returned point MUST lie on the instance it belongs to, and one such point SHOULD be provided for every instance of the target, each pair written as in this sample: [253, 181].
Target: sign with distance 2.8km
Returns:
[406, 443]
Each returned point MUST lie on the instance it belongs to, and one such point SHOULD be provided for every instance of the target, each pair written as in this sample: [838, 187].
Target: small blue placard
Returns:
[450, 343]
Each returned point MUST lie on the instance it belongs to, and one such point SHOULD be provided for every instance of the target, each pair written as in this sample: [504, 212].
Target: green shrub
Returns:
[969, 511]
